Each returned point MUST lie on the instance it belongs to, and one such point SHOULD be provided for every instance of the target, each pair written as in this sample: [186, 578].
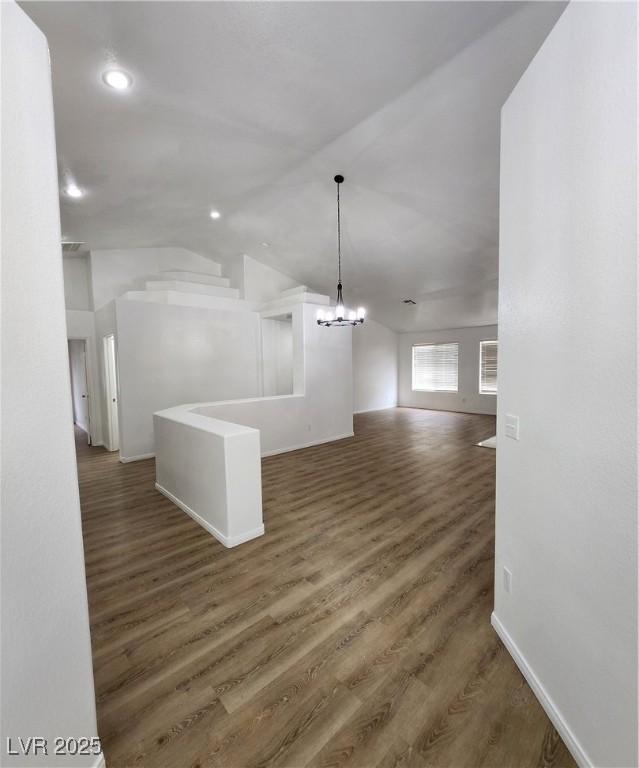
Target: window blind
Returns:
[487, 367]
[435, 367]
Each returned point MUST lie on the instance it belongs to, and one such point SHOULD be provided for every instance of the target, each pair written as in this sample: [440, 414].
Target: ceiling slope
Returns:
[252, 107]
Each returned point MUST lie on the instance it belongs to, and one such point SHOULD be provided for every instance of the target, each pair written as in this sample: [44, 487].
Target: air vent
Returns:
[71, 247]
[408, 301]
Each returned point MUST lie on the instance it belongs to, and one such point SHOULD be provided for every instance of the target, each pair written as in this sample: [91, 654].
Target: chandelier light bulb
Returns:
[339, 312]
[361, 313]
[320, 314]
[329, 317]
[352, 316]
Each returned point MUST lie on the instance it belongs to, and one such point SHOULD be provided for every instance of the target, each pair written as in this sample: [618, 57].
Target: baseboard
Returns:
[370, 410]
[448, 410]
[141, 457]
[554, 715]
[228, 541]
[307, 445]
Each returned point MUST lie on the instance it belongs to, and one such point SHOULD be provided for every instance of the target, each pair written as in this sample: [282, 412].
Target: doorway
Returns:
[79, 385]
[277, 355]
[111, 390]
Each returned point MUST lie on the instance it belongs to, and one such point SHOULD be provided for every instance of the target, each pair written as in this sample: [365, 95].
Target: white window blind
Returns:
[487, 367]
[435, 367]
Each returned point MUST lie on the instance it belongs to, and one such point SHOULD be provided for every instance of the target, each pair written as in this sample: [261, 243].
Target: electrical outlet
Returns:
[508, 580]
[512, 426]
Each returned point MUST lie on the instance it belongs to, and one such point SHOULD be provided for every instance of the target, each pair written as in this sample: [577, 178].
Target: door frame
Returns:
[109, 389]
[89, 379]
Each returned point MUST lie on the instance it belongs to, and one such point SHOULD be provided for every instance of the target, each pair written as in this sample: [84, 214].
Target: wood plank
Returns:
[356, 632]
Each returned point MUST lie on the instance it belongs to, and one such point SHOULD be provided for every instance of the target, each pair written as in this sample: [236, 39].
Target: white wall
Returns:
[77, 282]
[467, 398]
[567, 491]
[211, 469]
[321, 408]
[262, 283]
[47, 679]
[113, 272]
[170, 355]
[277, 356]
[375, 367]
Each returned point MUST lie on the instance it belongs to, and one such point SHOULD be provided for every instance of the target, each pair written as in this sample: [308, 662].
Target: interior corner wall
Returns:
[234, 270]
[566, 514]
[321, 410]
[375, 367]
[263, 283]
[46, 669]
[277, 356]
[467, 399]
[77, 282]
[171, 355]
[115, 271]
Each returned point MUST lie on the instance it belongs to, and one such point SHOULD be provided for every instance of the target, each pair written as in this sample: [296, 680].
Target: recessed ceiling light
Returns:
[215, 214]
[73, 190]
[117, 79]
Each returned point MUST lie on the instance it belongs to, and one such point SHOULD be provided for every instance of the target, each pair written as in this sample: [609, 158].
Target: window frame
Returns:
[481, 343]
[434, 344]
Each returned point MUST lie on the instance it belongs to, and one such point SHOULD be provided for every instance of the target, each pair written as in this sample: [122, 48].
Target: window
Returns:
[487, 367]
[435, 367]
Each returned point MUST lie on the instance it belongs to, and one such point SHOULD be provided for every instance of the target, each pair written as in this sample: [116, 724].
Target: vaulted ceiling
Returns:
[251, 108]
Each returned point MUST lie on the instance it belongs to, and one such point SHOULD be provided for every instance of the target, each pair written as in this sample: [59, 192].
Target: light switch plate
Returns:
[512, 426]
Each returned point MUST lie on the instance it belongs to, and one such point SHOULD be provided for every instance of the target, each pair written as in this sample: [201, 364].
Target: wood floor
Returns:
[356, 632]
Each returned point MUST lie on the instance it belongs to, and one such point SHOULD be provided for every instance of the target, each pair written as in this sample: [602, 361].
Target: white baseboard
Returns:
[141, 457]
[554, 715]
[370, 410]
[228, 541]
[307, 445]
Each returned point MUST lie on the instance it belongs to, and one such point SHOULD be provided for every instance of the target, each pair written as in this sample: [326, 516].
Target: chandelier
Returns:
[341, 316]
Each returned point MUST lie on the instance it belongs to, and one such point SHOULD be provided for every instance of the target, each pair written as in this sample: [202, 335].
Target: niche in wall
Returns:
[277, 355]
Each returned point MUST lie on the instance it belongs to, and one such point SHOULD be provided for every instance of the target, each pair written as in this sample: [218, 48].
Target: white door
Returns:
[111, 385]
[79, 388]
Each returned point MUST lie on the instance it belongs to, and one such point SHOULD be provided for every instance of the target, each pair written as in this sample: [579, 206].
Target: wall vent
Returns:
[408, 301]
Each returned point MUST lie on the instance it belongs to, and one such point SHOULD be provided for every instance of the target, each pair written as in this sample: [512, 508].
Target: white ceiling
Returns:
[251, 108]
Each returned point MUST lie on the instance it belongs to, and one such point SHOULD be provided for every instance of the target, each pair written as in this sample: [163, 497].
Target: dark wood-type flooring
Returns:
[356, 632]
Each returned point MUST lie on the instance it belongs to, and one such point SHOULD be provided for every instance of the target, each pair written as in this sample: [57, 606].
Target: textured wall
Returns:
[567, 491]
